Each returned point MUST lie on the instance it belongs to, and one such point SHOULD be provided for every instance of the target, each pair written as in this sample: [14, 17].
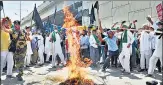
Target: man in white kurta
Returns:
[47, 48]
[41, 49]
[145, 49]
[27, 59]
[156, 55]
[124, 56]
[57, 50]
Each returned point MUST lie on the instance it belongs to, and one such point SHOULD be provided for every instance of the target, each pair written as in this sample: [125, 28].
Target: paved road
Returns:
[39, 76]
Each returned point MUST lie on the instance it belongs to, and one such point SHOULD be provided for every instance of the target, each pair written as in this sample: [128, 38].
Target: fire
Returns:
[76, 65]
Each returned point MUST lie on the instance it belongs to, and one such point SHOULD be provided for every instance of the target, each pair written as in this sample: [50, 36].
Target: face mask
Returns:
[105, 33]
[17, 27]
[55, 30]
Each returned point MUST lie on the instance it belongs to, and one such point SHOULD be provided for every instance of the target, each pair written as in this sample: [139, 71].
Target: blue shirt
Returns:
[112, 43]
[84, 41]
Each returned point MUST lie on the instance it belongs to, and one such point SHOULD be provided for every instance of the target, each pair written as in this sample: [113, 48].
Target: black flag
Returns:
[1, 5]
[96, 5]
[92, 15]
[37, 19]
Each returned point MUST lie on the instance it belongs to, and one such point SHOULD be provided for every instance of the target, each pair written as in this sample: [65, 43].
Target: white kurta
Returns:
[27, 59]
[29, 49]
[153, 40]
[41, 48]
[145, 49]
[47, 45]
[145, 42]
[57, 44]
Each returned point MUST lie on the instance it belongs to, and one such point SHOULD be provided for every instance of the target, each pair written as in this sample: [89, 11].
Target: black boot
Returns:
[19, 78]
[151, 83]
[149, 75]
[9, 76]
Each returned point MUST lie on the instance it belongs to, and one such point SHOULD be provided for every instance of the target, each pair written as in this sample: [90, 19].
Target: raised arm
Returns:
[122, 24]
[114, 24]
[134, 23]
[7, 30]
[150, 20]
[100, 26]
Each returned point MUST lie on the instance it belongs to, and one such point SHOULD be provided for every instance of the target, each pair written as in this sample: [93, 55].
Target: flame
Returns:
[75, 65]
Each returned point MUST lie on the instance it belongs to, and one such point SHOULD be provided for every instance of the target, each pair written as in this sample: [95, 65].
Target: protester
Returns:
[34, 45]
[57, 50]
[84, 44]
[111, 41]
[158, 50]
[40, 48]
[47, 48]
[126, 45]
[6, 54]
[29, 48]
[94, 51]
[133, 55]
[145, 48]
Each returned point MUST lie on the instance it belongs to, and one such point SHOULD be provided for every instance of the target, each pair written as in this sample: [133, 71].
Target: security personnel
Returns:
[21, 48]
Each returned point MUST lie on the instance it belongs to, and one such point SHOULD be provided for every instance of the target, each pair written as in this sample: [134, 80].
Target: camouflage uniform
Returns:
[21, 48]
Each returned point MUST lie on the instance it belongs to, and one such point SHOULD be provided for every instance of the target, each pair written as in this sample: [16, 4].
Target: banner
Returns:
[159, 11]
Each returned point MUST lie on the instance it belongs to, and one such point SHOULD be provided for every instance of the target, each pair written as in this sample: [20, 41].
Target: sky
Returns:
[12, 8]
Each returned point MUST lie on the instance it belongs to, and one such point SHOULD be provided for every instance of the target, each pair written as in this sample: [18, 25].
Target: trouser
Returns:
[84, 53]
[44, 56]
[113, 55]
[47, 56]
[41, 57]
[27, 59]
[144, 58]
[7, 57]
[103, 54]
[94, 54]
[34, 56]
[19, 60]
[137, 58]
[61, 56]
[124, 59]
[152, 63]
[158, 64]
[64, 52]
[133, 61]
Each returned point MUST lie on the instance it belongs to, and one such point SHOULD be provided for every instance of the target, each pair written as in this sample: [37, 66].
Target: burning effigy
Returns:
[77, 72]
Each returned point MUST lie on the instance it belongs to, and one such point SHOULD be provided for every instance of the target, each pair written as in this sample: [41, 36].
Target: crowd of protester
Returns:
[125, 46]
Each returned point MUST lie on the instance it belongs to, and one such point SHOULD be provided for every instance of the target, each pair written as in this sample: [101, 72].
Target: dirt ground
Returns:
[113, 76]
